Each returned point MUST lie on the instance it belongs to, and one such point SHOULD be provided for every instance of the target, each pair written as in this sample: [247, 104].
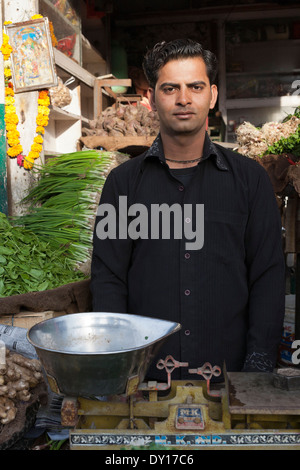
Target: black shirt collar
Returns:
[209, 150]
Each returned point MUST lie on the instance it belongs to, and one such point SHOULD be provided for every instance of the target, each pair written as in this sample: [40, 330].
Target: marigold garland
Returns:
[15, 149]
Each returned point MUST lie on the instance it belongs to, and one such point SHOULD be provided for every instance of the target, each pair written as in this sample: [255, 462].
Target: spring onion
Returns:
[63, 201]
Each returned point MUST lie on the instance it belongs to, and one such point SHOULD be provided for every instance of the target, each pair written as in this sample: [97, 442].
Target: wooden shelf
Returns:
[267, 43]
[74, 69]
[274, 101]
[133, 145]
[59, 114]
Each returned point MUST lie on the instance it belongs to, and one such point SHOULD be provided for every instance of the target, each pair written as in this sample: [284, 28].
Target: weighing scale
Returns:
[107, 404]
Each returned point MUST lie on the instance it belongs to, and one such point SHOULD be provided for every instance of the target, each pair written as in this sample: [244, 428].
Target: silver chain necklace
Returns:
[184, 161]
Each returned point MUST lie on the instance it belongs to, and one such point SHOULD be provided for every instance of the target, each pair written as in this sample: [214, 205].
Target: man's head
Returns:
[178, 49]
[181, 76]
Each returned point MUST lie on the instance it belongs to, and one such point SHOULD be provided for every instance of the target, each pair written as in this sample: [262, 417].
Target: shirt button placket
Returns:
[187, 294]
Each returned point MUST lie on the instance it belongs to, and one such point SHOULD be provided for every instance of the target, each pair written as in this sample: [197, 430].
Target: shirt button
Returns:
[187, 220]
[187, 332]
[187, 256]
[187, 292]
[181, 188]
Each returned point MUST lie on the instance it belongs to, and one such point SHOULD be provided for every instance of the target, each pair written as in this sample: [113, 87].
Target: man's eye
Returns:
[169, 89]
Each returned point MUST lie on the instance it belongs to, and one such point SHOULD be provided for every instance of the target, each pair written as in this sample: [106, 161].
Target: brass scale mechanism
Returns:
[247, 411]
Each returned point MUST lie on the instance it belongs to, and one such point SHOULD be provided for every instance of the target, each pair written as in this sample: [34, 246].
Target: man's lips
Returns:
[183, 114]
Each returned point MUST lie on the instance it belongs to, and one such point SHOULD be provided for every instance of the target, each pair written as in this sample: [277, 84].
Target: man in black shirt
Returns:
[217, 265]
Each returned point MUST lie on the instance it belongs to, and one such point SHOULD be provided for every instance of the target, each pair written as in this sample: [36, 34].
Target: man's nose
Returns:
[184, 96]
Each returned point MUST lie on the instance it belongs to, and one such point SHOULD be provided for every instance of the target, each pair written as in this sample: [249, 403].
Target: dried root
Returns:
[124, 120]
[8, 410]
[18, 377]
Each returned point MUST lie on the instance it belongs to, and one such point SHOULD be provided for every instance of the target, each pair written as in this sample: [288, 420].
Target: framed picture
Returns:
[32, 58]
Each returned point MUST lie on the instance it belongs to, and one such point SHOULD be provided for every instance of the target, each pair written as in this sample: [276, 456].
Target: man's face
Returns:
[183, 96]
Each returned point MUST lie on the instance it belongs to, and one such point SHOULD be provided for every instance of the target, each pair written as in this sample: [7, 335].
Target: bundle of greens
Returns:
[29, 264]
[64, 200]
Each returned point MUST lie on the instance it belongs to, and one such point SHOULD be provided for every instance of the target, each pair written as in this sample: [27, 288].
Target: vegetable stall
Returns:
[45, 250]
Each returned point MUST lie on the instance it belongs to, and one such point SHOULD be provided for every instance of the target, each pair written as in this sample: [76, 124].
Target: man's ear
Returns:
[214, 96]
[151, 94]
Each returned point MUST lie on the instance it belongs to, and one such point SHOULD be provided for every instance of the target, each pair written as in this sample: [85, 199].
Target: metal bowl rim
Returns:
[177, 327]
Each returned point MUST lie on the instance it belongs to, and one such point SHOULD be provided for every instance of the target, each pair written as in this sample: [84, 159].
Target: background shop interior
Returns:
[98, 59]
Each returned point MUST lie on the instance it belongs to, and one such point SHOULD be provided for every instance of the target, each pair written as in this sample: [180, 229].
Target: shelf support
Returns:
[106, 84]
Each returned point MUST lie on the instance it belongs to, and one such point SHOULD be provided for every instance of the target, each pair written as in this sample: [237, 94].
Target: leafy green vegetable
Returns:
[29, 264]
[290, 144]
[42, 249]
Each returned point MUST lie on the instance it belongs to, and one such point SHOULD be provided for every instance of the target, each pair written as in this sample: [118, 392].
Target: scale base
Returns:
[190, 417]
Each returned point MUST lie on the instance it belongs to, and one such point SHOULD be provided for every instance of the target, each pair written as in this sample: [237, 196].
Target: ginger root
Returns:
[16, 380]
[8, 410]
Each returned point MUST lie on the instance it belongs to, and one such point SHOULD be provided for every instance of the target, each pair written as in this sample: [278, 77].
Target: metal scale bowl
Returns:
[95, 354]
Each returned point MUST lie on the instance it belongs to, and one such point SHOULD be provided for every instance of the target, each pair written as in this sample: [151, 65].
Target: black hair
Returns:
[163, 52]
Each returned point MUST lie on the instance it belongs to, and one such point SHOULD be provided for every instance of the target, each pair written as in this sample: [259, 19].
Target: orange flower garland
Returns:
[15, 148]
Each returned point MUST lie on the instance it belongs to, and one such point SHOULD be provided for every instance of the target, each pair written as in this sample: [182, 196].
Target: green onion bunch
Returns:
[64, 199]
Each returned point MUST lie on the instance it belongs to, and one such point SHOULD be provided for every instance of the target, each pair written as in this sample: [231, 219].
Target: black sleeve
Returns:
[111, 255]
[266, 271]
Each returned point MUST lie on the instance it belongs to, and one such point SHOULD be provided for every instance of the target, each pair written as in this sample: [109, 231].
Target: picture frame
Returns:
[32, 57]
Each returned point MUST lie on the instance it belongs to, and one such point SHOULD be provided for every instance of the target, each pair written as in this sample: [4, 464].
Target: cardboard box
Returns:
[28, 319]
